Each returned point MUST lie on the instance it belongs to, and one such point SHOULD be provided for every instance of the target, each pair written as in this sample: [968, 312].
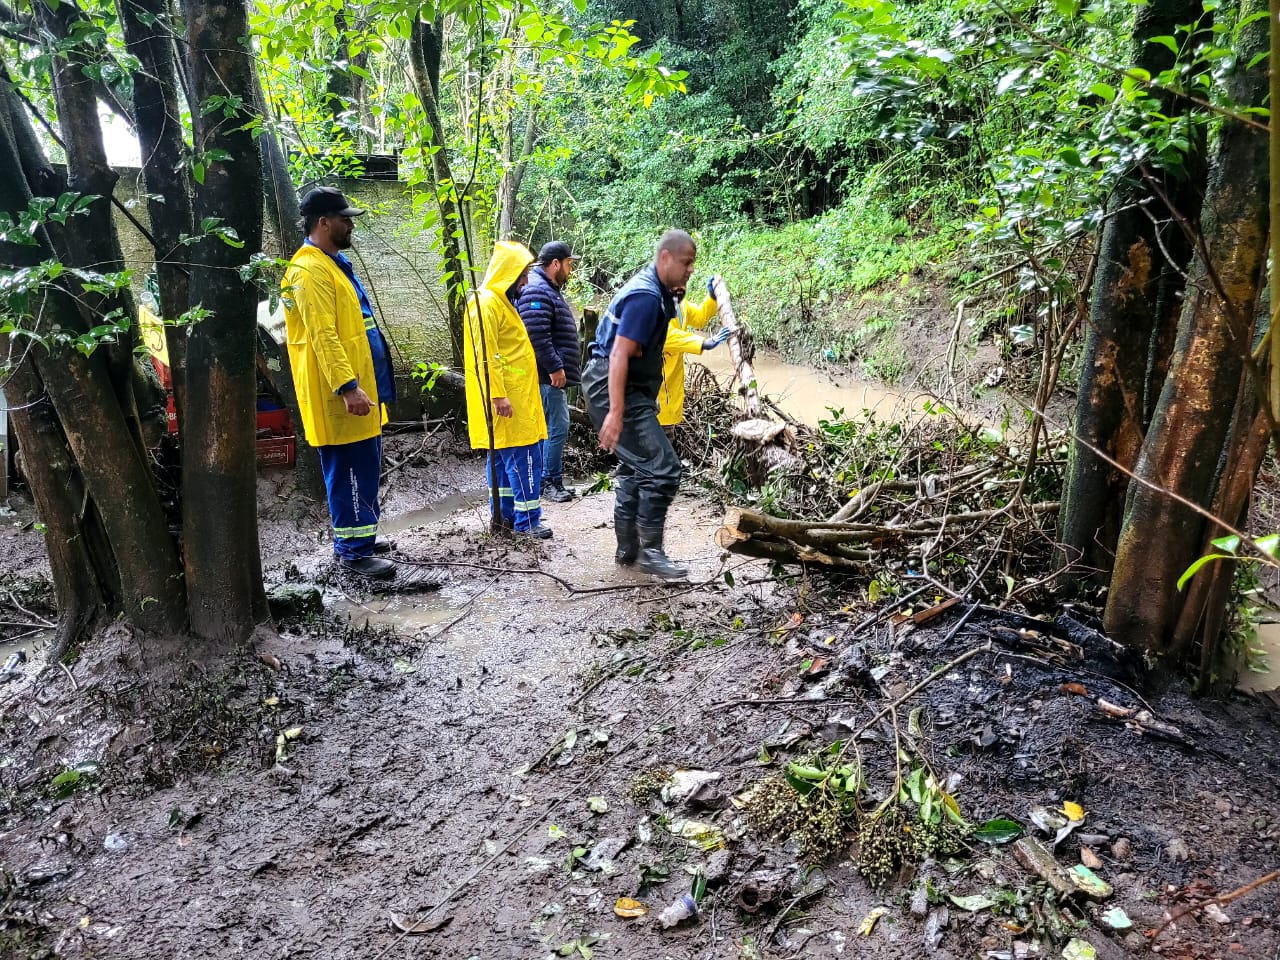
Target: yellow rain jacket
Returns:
[505, 355]
[680, 340]
[328, 347]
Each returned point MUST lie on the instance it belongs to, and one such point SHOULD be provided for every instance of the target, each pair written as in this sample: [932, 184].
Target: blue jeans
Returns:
[555, 403]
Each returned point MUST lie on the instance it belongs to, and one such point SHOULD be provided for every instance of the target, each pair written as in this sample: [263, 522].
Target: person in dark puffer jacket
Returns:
[554, 334]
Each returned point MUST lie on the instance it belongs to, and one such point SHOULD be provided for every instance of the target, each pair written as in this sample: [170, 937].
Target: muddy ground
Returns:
[486, 752]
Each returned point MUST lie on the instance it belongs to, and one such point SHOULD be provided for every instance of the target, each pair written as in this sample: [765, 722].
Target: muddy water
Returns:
[1266, 676]
[806, 393]
[463, 499]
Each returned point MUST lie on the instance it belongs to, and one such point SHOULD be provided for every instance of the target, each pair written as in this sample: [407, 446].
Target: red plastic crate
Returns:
[276, 452]
[277, 421]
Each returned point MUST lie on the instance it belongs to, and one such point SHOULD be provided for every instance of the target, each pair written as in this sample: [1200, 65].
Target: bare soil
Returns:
[458, 751]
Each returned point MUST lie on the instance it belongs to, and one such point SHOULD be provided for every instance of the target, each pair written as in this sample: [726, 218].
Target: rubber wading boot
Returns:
[375, 568]
[653, 560]
[628, 547]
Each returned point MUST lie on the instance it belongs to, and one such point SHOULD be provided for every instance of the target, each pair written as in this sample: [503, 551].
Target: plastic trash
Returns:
[11, 665]
[681, 909]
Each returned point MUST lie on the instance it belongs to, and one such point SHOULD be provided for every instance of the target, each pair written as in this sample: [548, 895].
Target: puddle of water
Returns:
[407, 615]
[805, 393]
[35, 647]
[463, 499]
[1269, 678]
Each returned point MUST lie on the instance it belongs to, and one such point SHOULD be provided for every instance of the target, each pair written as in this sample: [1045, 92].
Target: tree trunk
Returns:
[346, 88]
[425, 51]
[106, 449]
[1185, 445]
[57, 491]
[94, 243]
[155, 97]
[1135, 303]
[220, 524]
[285, 217]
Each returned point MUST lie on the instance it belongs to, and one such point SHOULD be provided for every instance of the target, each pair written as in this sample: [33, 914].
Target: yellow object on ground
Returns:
[328, 347]
[680, 340]
[499, 358]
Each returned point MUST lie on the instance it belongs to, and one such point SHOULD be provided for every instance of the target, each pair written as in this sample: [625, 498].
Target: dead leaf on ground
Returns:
[418, 927]
[629, 909]
[1077, 688]
[869, 921]
[1090, 859]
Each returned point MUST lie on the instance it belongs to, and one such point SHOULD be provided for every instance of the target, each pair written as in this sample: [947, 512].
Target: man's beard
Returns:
[343, 242]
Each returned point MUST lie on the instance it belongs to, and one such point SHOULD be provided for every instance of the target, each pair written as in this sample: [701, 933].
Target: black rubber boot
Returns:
[375, 568]
[652, 560]
[627, 545]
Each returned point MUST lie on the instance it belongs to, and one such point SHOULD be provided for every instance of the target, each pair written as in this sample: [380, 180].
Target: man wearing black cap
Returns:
[342, 374]
[554, 335]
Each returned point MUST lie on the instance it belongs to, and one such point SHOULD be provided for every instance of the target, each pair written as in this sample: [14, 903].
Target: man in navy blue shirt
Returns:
[621, 385]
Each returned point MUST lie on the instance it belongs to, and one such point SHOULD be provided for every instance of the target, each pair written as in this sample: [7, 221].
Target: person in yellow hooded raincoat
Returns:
[504, 398]
[342, 374]
[682, 339]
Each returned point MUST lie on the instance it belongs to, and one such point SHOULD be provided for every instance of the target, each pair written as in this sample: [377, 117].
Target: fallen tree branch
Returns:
[741, 365]
[1219, 900]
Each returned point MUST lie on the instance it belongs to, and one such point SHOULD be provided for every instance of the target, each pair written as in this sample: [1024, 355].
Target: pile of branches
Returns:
[918, 492]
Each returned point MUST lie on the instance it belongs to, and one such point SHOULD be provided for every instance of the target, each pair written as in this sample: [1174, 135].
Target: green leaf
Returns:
[1270, 544]
[998, 831]
[1192, 570]
[1009, 79]
[1170, 42]
[1104, 91]
[1229, 544]
[972, 903]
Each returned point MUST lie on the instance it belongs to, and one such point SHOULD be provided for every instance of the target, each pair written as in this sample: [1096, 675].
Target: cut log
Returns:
[841, 545]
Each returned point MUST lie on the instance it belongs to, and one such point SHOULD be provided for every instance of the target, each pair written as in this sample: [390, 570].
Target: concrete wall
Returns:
[393, 258]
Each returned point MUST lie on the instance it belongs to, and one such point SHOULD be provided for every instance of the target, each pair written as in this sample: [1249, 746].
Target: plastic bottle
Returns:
[682, 908]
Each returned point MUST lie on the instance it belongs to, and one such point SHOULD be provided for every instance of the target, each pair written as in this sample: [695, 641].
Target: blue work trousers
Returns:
[519, 476]
[351, 475]
[555, 403]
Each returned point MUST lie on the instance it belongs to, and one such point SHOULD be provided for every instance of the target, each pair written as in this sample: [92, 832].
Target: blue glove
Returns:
[711, 287]
[712, 342]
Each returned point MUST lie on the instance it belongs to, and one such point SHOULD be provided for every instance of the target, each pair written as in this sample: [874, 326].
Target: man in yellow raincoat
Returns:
[504, 398]
[682, 339]
[342, 374]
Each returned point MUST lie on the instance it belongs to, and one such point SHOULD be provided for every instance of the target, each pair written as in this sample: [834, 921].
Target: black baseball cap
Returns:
[327, 202]
[556, 250]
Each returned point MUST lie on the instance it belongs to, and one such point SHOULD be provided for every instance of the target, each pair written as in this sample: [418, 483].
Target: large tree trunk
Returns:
[285, 217]
[220, 525]
[1135, 304]
[57, 491]
[94, 243]
[346, 88]
[1184, 450]
[425, 51]
[104, 444]
[155, 96]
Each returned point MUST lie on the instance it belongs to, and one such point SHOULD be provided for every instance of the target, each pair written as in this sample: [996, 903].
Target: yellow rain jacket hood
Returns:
[499, 358]
[328, 346]
[681, 340]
